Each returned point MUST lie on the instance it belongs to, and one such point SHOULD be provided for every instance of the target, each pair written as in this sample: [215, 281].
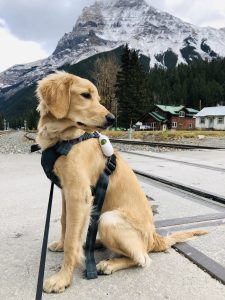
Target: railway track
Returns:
[203, 166]
[188, 193]
[153, 144]
[183, 187]
[161, 144]
[26, 135]
[166, 226]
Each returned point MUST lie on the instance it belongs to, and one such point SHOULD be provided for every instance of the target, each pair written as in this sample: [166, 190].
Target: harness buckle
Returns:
[108, 171]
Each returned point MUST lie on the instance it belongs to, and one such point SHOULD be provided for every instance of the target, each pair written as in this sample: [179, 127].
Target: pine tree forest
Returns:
[196, 85]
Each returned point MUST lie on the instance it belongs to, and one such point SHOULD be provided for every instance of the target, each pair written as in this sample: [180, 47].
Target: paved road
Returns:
[23, 201]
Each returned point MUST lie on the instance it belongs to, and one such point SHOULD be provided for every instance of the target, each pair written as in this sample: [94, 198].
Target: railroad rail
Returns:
[167, 226]
[203, 166]
[28, 137]
[153, 144]
[162, 144]
[186, 188]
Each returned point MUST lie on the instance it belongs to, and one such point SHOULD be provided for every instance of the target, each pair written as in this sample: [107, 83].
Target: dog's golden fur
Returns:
[126, 224]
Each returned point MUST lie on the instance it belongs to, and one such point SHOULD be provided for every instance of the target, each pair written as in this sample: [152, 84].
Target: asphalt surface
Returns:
[23, 202]
[205, 179]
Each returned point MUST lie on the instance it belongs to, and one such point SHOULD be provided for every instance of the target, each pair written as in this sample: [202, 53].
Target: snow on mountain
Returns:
[108, 24]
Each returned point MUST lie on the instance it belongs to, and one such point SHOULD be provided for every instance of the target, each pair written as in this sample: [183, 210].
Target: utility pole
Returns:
[25, 125]
[116, 102]
[5, 125]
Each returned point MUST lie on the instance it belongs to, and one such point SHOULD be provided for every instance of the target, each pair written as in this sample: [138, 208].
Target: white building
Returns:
[211, 118]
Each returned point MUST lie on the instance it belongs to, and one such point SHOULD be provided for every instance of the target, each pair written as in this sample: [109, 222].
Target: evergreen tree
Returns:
[123, 88]
[188, 84]
[32, 118]
[131, 89]
[1, 121]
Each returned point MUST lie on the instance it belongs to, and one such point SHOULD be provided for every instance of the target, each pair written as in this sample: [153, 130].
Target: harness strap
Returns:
[100, 191]
[51, 154]
[64, 147]
[34, 148]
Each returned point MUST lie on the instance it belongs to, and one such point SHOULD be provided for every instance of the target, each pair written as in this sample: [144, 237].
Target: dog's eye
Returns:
[86, 95]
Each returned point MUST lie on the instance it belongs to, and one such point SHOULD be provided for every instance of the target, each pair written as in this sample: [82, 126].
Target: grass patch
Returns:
[164, 135]
[116, 134]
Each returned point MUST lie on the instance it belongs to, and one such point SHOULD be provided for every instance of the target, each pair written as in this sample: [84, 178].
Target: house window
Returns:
[182, 114]
[190, 126]
[202, 120]
[152, 125]
[174, 124]
[220, 120]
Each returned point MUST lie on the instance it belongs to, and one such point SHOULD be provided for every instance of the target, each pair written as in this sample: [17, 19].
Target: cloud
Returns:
[46, 21]
[39, 20]
[198, 12]
[15, 51]
[2, 23]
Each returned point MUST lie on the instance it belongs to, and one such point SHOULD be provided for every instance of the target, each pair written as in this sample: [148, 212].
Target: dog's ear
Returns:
[54, 91]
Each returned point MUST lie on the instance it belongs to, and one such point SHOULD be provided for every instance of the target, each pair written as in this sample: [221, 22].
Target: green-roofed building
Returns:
[163, 117]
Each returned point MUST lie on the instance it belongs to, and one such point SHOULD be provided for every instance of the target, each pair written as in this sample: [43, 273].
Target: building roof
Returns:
[211, 111]
[192, 110]
[174, 110]
[157, 116]
[171, 109]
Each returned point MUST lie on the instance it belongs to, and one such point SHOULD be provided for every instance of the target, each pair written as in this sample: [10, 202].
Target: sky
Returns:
[30, 29]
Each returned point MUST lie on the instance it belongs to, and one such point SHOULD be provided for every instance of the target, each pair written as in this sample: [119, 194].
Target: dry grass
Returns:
[116, 134]
[164, 135]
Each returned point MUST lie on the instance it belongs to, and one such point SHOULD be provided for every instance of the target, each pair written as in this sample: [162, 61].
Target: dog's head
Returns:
[65, 96]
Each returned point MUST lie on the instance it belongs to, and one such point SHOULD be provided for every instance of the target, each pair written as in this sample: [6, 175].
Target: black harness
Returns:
[50, 155]
[48, 159]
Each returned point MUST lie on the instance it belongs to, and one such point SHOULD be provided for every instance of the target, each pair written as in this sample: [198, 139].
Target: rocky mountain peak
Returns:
[108, 24]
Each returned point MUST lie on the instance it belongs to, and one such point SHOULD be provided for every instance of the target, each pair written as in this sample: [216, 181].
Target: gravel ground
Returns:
[207, 141]
[15, 142]
[124, 147]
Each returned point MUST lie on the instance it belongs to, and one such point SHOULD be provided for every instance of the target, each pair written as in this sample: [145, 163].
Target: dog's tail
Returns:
[162, 243]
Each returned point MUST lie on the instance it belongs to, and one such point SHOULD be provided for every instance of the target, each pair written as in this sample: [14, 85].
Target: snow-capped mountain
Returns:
[108, 24]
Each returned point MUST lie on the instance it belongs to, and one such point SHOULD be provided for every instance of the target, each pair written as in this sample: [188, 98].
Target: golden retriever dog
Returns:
[69, 106]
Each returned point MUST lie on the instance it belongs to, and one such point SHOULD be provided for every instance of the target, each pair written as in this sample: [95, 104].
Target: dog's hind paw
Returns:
[143, 260]
[105, 267]
[56, 246]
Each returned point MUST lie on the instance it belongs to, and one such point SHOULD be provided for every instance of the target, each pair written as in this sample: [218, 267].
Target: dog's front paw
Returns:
[105, 267]
[56, 246]
[57, 283]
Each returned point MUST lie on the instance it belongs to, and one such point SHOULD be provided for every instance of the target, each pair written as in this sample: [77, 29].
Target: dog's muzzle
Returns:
[110, 118]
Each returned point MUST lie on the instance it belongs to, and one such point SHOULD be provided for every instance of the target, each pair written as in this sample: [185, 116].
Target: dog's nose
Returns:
[110, 118]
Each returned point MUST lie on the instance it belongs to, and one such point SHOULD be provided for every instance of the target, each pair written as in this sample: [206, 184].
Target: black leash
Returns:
[44, 247]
